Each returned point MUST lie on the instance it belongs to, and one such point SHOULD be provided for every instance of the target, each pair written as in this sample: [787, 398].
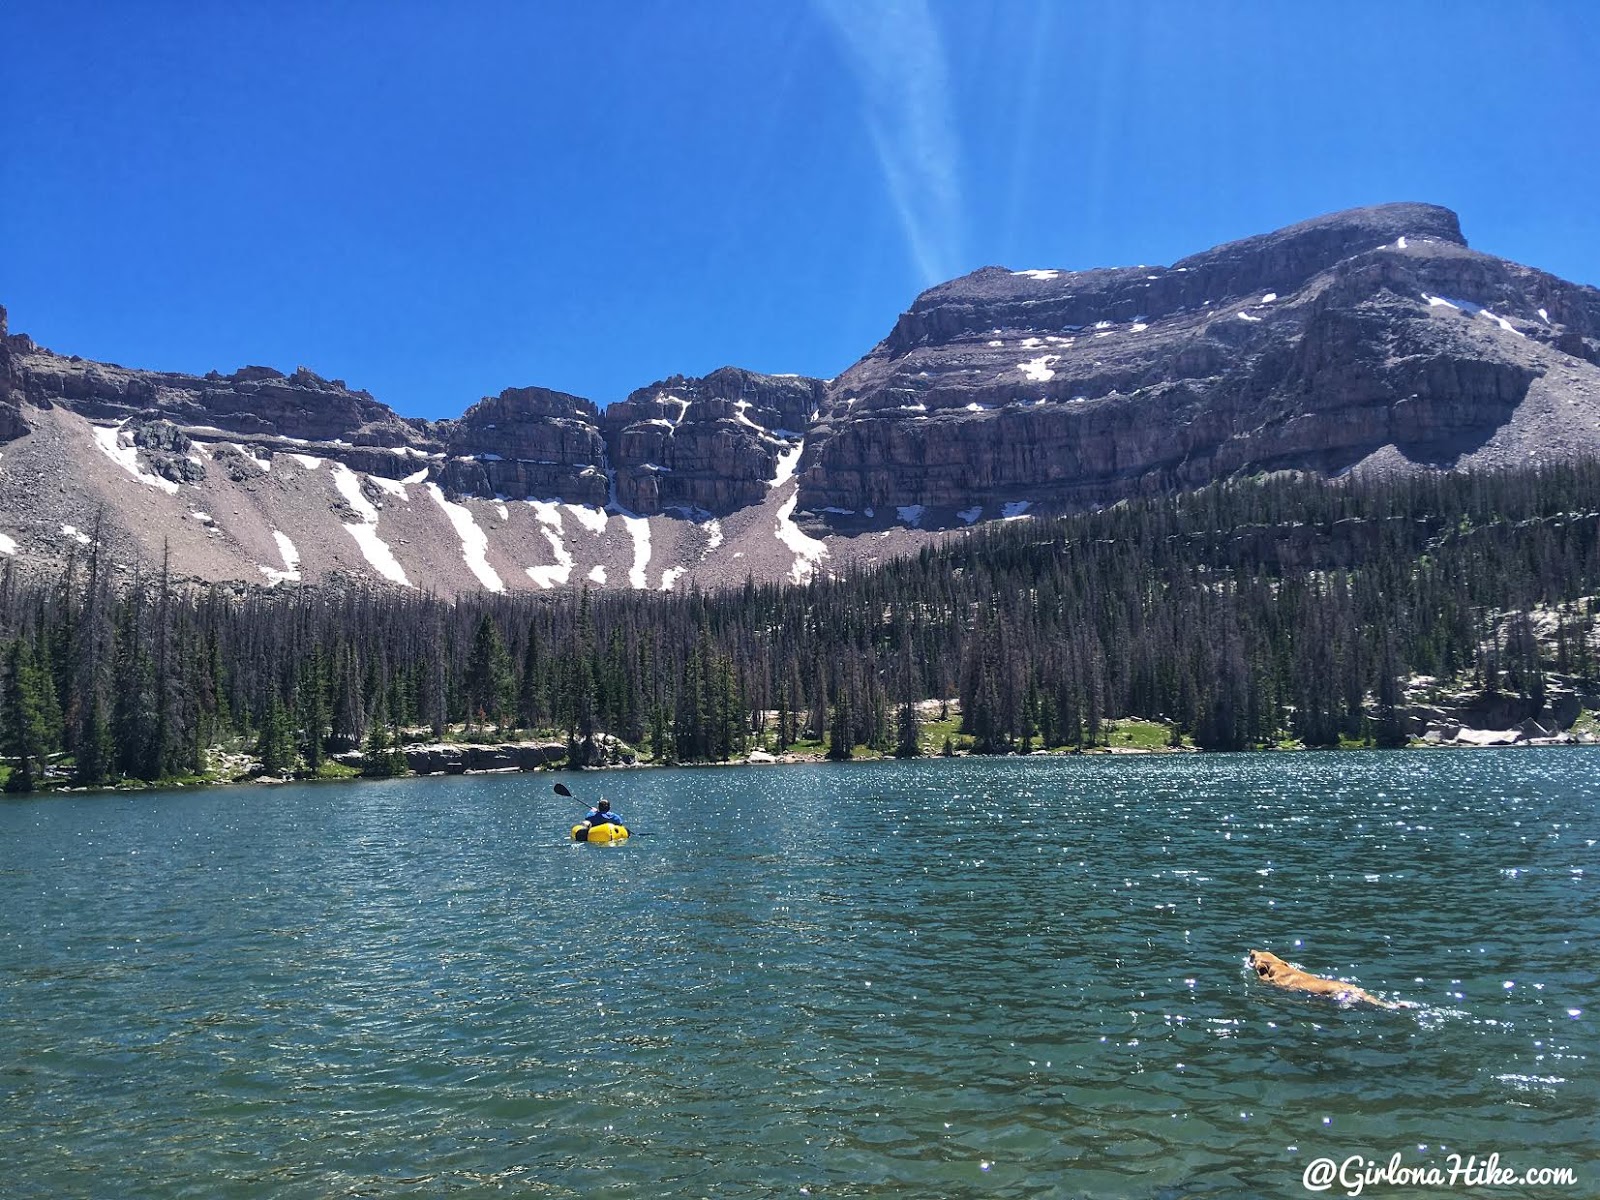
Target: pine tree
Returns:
[908, 732]
[312, 712]
[663, 748]
[161, 750]
[133, 711]
[531, 710]
[785, 731]
[490, 683]
[384, 757]
[817, 711]
[24, 731]
[276, 745]
[579, 687]
[96, 757]
[1030, 716]
[841, 730]
[1389, 733]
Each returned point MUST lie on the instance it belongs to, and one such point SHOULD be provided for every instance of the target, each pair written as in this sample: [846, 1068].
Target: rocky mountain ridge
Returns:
[1370, 340]
[1373, 338]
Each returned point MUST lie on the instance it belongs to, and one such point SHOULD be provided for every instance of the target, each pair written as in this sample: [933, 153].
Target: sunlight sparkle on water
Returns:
[422, 936]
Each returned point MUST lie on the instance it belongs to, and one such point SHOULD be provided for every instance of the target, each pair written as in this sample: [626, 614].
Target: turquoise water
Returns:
[952, 978]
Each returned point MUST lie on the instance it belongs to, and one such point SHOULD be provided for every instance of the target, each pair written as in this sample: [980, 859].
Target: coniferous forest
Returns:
[1240, 615]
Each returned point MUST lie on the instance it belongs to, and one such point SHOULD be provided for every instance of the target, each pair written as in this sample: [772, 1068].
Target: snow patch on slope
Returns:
[704, 521]
[249, 452]
[474, 542]
[808, 551]
[365, 532]
[639, 529]
[552, 575]
[1476, 310]
[291, 561]
[1503, 323]
[1038, 369]
[378, 554]
[291, 556]
[7, 545]
[683, 407]
[350, 488]
[787, 461]
[591, 518]
[741, 414]
[109, 439]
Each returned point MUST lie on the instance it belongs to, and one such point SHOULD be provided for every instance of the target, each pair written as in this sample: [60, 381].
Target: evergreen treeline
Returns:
[1239, 614]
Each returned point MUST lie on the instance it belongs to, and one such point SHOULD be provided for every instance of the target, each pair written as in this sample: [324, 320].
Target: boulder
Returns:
[600, 750]
[450, 758]
[166, 450]
[1488, 737]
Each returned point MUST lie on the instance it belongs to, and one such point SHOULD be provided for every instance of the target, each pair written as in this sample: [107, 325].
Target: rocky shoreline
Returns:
[550, 758]
[1443, 720]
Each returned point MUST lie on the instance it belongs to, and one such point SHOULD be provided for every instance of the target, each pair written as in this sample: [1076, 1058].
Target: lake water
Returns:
[951, 978]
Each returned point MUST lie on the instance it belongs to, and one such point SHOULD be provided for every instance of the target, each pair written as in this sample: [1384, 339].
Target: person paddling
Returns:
[601, 814]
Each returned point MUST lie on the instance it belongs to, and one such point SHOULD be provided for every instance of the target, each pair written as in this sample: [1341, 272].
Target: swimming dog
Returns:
[1273, 970]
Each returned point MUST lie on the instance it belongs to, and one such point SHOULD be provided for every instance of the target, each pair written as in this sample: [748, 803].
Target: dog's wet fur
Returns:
[1269, 968]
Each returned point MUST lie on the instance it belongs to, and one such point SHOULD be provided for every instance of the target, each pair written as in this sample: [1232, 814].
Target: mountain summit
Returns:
[1373, 340]
[1369, 339]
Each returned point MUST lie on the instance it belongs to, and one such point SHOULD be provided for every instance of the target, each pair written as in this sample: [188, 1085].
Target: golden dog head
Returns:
[1267, 966]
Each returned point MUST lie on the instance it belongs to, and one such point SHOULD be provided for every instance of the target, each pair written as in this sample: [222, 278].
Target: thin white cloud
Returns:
[896, 51]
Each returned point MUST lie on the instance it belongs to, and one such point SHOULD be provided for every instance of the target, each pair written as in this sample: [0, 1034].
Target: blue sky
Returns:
[436, 201]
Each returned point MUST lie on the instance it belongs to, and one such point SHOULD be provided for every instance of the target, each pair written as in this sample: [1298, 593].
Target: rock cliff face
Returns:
[1367, 338]
[253, 401]
[1365, 341]
[709, 444]
[528, 443]
[279, 479]
[11, 423]
[706, 445]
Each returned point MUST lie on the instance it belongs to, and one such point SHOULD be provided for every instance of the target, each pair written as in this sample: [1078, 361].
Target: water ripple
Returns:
[1015, 978]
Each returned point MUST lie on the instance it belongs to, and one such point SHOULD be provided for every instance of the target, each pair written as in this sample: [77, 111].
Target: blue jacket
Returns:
[596, 817]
